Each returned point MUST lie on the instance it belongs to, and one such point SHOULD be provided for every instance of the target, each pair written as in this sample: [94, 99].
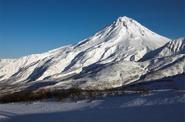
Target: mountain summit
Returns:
[129, 39]
[114, 53]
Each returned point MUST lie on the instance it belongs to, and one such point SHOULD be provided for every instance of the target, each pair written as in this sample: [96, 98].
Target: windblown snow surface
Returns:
[158, 106]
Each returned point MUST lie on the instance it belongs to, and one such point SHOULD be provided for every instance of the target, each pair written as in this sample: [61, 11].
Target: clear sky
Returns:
[34, 26]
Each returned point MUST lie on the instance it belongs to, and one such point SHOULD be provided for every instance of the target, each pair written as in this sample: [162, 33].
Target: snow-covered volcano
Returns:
[124, 39]
[115, 52]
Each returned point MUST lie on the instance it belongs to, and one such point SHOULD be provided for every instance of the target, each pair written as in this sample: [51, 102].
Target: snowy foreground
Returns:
[158, 106]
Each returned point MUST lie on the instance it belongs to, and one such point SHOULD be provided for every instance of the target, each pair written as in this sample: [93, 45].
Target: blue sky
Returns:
[34, 26]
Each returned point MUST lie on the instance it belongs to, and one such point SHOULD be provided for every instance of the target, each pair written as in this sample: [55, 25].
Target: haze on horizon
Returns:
[36, 26]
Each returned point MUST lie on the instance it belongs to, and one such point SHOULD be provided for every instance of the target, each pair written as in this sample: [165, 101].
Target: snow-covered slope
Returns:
[103, 76]
[125, 72]
[164, 67]
[171, 48]
[165, 62]
[165, 106]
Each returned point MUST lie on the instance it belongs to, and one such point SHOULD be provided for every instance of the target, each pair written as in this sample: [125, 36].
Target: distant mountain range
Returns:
[121, 54]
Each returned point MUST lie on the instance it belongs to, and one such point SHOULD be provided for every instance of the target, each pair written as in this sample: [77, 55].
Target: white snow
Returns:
[159, 106]
[171, 48]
